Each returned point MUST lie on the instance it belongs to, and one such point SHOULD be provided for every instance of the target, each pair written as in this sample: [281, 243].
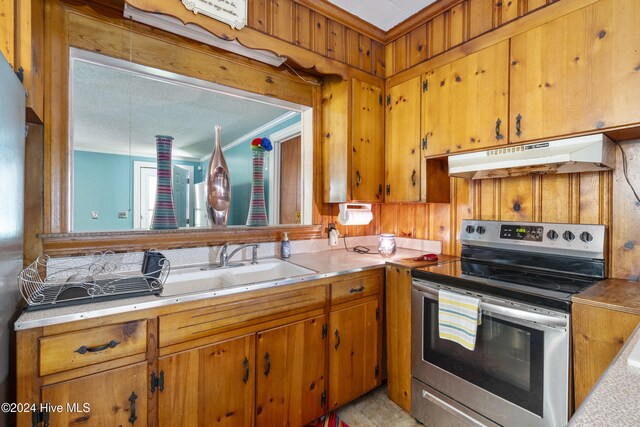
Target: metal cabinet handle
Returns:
[245, 363]
[358, 178]
[413, 178]
[337, 338]
[356, 290]
[499, 136]
[268, 368]
[132, 399]
[84, 349]
[518, 123]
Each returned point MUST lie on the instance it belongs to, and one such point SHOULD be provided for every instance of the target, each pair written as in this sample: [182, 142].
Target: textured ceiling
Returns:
[384, 14]
[113, 108]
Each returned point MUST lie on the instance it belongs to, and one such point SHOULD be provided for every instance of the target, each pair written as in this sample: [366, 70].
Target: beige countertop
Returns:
[615, 399]
[326, 264]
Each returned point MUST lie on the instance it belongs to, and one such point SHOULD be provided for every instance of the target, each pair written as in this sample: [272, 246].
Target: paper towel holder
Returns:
[362, 210]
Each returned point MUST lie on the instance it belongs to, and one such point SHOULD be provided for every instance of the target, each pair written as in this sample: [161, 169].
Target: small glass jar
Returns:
[387, 245]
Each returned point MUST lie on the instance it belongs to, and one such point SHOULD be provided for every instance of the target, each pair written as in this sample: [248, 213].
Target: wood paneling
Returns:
[398, 324]
[302, 38]
[625, 223]
[418, 45]
[33, 197]
[450, 23]
[598, 336]
[337, 46]
[7, 30]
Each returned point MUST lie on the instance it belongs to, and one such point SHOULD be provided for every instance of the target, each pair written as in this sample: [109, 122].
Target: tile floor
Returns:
[375, 410]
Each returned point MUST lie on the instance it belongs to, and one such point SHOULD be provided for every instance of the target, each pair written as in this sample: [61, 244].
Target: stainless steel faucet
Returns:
[225, 257]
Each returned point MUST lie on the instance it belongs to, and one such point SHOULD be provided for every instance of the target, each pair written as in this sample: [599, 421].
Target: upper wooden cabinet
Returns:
[29, 55]
[577, 73]
[353, 140]
[465, 103]
[402, 151]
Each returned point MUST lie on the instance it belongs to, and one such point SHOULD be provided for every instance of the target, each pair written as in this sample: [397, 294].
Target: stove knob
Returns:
[470, 229]
[552, 234]
[568, 236]
[586, 237]
[481, 229]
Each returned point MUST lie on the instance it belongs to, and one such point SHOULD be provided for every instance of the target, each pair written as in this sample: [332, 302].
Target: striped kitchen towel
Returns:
[459, 317]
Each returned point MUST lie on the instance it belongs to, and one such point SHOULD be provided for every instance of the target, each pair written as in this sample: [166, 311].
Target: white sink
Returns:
[195, 279]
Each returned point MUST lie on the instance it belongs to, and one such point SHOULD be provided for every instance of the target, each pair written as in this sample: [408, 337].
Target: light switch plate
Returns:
[123, 214]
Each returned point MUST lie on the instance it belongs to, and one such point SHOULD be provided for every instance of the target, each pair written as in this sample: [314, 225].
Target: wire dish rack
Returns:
[102, 276]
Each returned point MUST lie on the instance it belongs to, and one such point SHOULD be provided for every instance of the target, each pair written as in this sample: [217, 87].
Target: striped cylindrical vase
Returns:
[164, 214]
[257, 209]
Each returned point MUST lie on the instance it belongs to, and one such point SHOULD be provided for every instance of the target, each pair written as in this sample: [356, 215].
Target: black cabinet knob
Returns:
[586, 237]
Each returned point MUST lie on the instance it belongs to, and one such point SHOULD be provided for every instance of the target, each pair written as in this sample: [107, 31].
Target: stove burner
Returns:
[526, 277]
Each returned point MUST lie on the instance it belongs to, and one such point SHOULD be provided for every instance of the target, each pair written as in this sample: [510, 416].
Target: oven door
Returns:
[518, 373]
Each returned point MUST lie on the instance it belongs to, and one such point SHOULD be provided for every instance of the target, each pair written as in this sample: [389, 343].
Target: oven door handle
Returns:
[523, 315]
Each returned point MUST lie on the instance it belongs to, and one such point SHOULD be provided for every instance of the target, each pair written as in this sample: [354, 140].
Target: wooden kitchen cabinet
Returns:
[210, 385]
[353, 353]
[398, 321]
[353, 139]
[112, 398]
[465, 103]
[598, 335]
[578, 73]
[290, 374]
[402, 143]
[29, 54]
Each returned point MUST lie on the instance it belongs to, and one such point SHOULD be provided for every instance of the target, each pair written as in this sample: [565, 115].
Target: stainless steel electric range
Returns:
[518, 374]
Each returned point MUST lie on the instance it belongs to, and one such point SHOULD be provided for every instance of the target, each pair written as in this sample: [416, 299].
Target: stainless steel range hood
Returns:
[581, 154]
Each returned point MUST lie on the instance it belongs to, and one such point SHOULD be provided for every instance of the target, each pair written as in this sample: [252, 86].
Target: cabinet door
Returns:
[402, 168]
[398, 336]
[212, 385]
[598, 336]
[353, 352]
[577, 73]
[367, 142]
[112, 398]
[465, 103]
[290, 370]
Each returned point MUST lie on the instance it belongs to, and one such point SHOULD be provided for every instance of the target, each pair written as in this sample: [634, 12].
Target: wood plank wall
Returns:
[299, 25]
[584, 198]
[463, 21]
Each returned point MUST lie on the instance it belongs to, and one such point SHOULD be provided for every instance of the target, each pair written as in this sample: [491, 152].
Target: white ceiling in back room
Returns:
[384, 14]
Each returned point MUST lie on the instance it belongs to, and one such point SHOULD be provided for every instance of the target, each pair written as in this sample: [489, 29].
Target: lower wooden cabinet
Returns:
[598, 335]
[212, 385]
[353, 354]
[290, 374]
[112, 398]
[268, 358]
[398, 338]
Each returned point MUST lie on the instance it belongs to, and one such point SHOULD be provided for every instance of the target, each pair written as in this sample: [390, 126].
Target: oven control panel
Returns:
[585, 240]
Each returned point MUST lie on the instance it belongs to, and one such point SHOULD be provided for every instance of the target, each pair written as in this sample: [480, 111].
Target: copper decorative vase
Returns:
[164, 214]
[218, 186]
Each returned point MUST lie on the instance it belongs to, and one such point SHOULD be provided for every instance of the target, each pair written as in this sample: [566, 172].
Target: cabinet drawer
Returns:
[82, 348]
[356, 288]
[218, 318]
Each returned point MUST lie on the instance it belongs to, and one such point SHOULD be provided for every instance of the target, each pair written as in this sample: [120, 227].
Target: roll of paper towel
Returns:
[355, 214]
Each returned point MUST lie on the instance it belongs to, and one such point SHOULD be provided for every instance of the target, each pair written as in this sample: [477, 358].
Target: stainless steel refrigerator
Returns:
[12, 140]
